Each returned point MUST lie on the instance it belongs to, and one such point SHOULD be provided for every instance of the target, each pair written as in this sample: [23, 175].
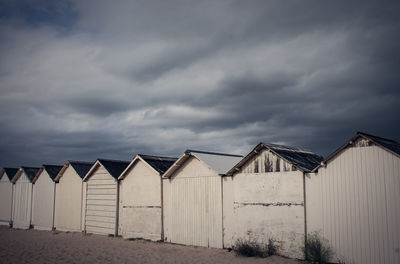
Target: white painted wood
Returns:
[101, 202]
[354, 202]
[6, 190]
[22, 202]
[68, 208]
[193, 206]
[43, 202]
[263, 206]
[140, 203]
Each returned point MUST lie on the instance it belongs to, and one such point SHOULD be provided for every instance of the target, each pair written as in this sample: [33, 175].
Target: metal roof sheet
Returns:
[219, 162]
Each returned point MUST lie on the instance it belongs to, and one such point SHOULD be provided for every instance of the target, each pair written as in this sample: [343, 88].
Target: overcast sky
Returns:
[109, 79]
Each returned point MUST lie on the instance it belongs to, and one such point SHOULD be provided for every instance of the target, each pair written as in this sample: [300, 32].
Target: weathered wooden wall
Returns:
[263, 206]
[193, 206]
[6, 189]
[43, 202]
[266, 161]
[22, 202]
[68, 209]
[140, 203]
[355, 203]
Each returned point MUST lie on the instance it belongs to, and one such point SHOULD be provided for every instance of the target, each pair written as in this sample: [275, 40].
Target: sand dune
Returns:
[32, 246]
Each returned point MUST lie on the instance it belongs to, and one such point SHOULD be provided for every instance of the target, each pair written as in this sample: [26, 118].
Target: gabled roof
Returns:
[302, 159]
[10, 172]
[114, 167]
[30, 172]
[387, 144]
[160, 164]
[219, 162]
[157, 163]
[52, 171]
[80, 167]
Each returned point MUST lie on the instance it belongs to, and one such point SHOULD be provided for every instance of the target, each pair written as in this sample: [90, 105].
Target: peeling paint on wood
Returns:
[268, 204]
[266, 161]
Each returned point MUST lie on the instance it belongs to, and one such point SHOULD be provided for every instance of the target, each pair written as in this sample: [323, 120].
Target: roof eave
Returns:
[92, 170]
[177, 164]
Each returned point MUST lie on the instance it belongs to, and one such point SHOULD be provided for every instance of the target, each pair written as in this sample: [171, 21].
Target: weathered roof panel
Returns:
[302, 159]
[114, 167]
[52, 170]
[160, 164]
[388, 144]
[30, 172]
[81, 167]
[10, 172]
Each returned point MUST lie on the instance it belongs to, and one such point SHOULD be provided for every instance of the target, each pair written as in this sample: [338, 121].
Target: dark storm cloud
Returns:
[89, 79]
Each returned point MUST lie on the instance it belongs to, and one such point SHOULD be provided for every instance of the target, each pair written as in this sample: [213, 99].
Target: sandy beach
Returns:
[32, 246]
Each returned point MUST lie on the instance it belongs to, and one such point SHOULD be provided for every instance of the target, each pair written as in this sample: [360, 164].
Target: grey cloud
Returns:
[112, 80]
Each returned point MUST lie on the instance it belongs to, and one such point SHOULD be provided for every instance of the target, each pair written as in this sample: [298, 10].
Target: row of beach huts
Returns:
[352, 198]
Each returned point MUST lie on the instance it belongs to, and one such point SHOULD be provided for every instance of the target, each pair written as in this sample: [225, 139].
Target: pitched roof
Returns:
[219, 162]
[30, 172]
[302, 159]
[114, 167]
[10, 172]
[160, 164]
[81, 167]
[387, 144]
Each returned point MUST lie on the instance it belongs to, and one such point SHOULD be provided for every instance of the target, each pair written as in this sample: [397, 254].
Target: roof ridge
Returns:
[370, 135]
[288, 148]
[112, 160]
[82, 162]
[212, 153]
[154, 156]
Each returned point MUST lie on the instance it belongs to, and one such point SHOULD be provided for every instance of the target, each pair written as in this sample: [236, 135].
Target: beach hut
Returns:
[44, 188]
[6, 194]
[22, 197]
[69, 206]
[193, 198]
[101, 215]
[264, 198]
[140, 200]
[353, 200]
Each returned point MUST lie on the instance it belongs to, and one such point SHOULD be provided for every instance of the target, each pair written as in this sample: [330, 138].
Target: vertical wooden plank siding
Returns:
[5, 200]
[354, 202]
[194, 211]
[43, 202]
[22, 203]
[101, 203]
[68, 207]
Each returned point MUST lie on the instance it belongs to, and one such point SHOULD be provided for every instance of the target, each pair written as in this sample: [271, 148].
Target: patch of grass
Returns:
[317, 249]
[248, 248]
[272, 248]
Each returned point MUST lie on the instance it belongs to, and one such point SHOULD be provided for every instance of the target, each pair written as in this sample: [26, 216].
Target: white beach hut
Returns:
[353, 200]
[101, 214]
[70, 190]
[140, 200]
[264, 198]
[6, 194]
[22, 197]
[44, 188]
[193, 198]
